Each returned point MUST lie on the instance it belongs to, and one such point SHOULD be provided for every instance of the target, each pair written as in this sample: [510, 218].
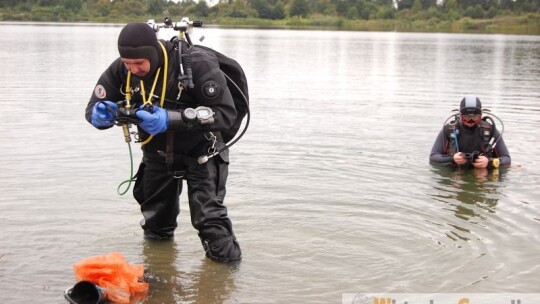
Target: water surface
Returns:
[330, 190]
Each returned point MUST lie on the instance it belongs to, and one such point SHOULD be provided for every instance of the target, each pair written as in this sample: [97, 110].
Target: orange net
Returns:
[114, 274]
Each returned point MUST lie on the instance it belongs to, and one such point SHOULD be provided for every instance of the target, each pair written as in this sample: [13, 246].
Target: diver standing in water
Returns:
[181, 103]
[470, 139]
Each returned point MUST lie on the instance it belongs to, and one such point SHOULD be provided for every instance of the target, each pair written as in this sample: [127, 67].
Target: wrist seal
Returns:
[190, 118]
[176, 121]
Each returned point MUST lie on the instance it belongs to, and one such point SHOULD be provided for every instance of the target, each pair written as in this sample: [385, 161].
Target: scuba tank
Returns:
[233, 72]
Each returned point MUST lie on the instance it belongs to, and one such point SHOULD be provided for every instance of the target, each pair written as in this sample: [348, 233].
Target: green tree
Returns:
[49, 2]
[8, 3]
[433, 12]
[507, 4]
[387, 3]
[268, 9]
[528, 5]
[325, 7]
[450, 5]
[128, 7]
[366, 9]
[352, 13]
[426, 4]
[73, 5]
[156, 7]
[342, 7]
[103, 7]
[236, 9]
[278, 11]
[475, 12]
[385, 12]
[299, 8]
[417, 6]
[263, 8]
[491, 12]
[174, 9]
[404, 4]
[201, 9]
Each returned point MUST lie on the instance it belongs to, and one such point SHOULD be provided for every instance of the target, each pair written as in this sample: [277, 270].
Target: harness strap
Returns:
[169, 156]
[176, 162]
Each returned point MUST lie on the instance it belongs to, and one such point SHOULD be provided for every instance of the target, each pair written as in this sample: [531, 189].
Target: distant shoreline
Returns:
[507, 25]
[527, 24]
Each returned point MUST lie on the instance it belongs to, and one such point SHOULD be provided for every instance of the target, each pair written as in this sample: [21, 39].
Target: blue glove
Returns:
[103, 114]
[153, 122]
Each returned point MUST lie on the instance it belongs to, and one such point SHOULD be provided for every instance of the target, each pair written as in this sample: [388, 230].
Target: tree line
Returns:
[127, 10]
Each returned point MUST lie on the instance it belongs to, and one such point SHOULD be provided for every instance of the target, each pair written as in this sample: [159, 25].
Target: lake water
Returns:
[330, 190]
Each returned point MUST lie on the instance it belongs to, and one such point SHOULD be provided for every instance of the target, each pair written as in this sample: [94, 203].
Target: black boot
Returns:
[222, 250]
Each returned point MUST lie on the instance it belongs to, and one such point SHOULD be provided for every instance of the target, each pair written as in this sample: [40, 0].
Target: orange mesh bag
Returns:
[114, 274]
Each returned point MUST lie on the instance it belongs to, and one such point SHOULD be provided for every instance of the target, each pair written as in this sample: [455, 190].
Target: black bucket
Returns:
[85, 292]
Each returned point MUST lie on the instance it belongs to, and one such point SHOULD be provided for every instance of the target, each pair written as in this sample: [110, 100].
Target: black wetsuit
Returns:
[156, 189]
[469, 140]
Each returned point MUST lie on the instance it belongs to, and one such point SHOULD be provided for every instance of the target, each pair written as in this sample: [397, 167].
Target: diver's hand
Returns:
[481, 162]
[103, 114]
[459, 159]
[153, 122]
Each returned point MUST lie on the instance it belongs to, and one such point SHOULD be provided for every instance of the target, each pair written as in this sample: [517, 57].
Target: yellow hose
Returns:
[163, 87]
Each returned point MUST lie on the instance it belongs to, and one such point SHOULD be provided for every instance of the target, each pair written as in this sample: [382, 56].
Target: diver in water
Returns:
[178, 121]
[470, 139]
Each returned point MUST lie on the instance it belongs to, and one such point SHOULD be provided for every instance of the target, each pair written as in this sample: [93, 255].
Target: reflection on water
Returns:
[159, 260]
[469, 193]
[209, 282]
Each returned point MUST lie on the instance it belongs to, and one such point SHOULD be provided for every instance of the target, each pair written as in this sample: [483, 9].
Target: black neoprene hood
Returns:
[139, 41]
